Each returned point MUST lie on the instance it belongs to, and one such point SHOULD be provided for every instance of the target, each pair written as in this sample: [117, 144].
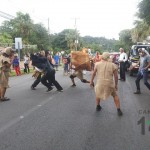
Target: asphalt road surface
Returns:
[36, 120]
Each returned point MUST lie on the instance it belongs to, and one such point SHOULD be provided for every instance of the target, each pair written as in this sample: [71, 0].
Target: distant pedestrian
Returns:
[26, 64]
[56, 58]
[65, 62]
[69, 62]
[105, 85]
[122, 61]
[16, 66]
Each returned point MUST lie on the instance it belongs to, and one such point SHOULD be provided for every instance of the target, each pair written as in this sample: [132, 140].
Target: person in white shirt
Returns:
[122, 60]
[26, 64]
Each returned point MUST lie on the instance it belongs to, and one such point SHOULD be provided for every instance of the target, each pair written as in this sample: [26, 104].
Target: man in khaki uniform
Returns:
[5, 64]
[107, 81]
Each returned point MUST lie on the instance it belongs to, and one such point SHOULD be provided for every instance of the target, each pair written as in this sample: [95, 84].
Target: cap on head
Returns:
[142, 50]
[8, 51]
[105, 55]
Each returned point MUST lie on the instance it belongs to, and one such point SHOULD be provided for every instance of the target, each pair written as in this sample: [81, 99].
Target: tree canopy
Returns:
[36, 34]
[144, 11]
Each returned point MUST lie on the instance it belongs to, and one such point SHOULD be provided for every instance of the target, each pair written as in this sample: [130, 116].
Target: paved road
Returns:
[36, 120]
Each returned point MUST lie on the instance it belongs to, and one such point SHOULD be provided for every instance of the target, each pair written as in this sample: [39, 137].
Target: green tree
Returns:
[65, 40]
[101, 43]
[6, 38]
[125, 38]
[144, 11]
[39, 36]
[140, 32]
[21, 27]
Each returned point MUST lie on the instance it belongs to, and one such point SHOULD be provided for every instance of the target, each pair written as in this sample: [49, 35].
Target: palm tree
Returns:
[141, 31]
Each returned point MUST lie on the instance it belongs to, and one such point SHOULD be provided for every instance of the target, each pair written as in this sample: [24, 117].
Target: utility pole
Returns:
[49, 33]
[76, 38]
[48, 27]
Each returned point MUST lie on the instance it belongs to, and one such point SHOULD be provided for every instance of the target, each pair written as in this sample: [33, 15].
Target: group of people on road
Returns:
[105, 70]
[107, 75]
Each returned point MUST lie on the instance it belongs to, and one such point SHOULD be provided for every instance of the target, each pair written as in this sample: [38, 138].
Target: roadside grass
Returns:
[13, 73]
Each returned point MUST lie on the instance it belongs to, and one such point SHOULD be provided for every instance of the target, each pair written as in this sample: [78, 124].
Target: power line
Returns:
[4, 17]
[7, 14]
[23, 10]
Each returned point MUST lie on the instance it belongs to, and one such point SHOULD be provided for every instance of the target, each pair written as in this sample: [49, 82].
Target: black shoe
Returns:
[122, 79]
[33, 88]
[60, 90]
[98, 108]
[119, 112]
[4, 99]
[73, 85]
[137, 92]
[49, 89]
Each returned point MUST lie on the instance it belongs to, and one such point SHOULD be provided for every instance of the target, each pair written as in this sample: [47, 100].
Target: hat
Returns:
[105, 55]
[8, 51]
[143, 49]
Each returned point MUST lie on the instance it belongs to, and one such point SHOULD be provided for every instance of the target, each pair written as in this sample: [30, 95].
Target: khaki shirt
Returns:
[3, 59]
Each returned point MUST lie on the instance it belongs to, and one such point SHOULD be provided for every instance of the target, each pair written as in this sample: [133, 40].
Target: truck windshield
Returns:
[134, 49]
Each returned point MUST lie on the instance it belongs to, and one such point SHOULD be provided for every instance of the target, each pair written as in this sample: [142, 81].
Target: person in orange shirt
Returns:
[98, 57]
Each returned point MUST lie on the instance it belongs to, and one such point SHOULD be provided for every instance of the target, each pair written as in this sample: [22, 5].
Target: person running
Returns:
[105, 85]
[79, 74]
